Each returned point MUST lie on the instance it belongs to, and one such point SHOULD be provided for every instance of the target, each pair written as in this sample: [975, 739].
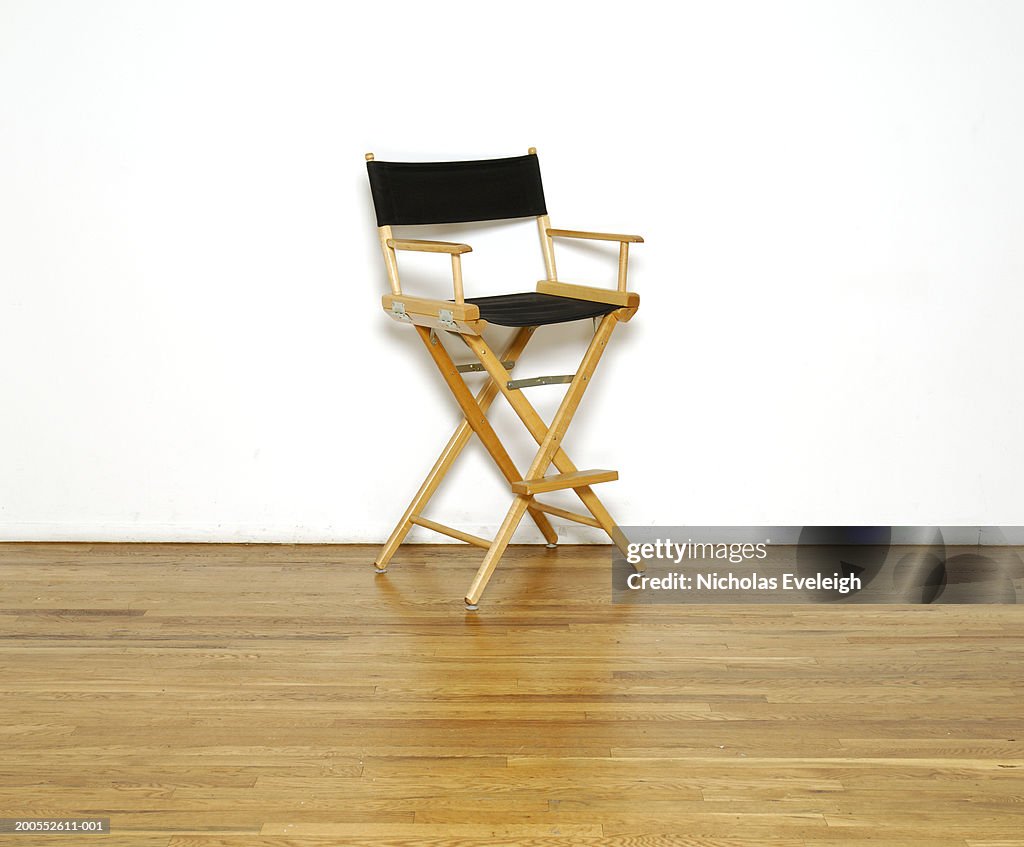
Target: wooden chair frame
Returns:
[430, 316]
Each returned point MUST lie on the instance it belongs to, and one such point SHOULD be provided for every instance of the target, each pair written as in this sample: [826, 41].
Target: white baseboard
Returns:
[245, 534]
[253, 534]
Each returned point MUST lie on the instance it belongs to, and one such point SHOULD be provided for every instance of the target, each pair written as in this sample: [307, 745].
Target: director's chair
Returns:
[431, 193]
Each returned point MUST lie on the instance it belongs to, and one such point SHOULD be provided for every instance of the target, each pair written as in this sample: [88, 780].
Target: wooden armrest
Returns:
[449, 247]
[463, 318]
[429, 306]
[624, 299]
[429, 246]
[594, 236]
[624, 242]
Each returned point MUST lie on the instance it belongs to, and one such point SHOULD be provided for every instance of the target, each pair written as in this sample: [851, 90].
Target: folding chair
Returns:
[431, 193]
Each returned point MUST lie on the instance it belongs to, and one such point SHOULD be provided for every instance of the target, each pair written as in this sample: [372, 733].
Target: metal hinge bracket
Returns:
[476, 367]
[513, 384]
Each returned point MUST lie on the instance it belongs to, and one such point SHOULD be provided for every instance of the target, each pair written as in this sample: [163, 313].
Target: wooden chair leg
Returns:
[539, 430]
[481, 426]
[451, 452]
[549, 446]
[496, 551]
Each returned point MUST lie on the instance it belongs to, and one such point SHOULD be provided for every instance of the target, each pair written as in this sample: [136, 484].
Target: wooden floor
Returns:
[284, 696]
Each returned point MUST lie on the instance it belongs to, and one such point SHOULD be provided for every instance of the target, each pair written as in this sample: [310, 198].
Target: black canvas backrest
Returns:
[407, 193]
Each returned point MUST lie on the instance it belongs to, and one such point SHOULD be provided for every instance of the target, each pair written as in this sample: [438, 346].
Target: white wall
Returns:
[192, 345]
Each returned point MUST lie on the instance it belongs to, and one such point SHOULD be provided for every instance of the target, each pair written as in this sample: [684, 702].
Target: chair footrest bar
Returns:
[556, 482]
[475, 540]
[565, 513]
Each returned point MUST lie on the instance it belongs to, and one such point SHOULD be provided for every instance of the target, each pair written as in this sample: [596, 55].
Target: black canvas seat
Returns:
[533, 309]
[414, 194]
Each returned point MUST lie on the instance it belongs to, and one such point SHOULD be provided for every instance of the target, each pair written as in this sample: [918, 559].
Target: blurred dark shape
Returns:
[920, 575]
[858, 551]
